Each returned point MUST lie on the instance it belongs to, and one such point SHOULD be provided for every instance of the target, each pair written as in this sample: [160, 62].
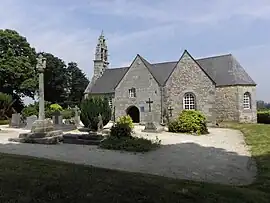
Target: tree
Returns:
[77, 83]
[55, 80]
[6, 103]
[17, 65]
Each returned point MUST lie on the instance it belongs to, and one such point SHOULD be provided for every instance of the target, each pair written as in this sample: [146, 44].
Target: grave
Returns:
[87, 138]
[29, 121]
[42, 131]
[150, 125]
[16, 121]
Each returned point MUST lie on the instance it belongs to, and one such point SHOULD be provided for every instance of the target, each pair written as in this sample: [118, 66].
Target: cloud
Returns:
[157, 29]
[173, 11]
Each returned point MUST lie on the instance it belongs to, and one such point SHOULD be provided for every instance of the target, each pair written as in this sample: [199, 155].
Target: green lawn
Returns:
[24, 179]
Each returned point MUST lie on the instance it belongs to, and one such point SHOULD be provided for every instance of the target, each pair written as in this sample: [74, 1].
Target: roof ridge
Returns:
[210, 57]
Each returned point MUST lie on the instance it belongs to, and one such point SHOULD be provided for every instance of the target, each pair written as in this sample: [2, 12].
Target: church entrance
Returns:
[134, 113]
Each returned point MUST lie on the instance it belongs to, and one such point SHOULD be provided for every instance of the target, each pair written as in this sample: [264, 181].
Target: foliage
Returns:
[125, 120]
[4, 122]
[121, 130]
[29, 111]
[56, 107]
[91, 107]
[32, 109]
[263, 117]
[189, 121]
[67, 113]
[17, 62]
[131, 144]
[77, 83]
[5, 105]
[55, 80]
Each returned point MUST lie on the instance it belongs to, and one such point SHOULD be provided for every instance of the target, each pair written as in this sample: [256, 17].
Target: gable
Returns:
[139, 71]
[188, 72]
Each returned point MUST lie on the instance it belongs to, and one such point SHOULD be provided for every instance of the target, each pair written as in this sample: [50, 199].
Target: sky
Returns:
[158, 30]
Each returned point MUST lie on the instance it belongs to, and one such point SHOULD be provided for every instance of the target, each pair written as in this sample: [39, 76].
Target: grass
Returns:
[24, 179]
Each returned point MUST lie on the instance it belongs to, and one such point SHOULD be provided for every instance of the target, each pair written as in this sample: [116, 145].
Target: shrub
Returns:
[6, 103]
[55, 107]
[4, 122]
[67, 113]
[189, 121]
[125, 120]
[263, 117]
[91, 107]
[121, 130]
[29, 111]
[131, 144]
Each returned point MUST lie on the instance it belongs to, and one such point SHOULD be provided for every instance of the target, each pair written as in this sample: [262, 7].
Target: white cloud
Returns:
[52, 26]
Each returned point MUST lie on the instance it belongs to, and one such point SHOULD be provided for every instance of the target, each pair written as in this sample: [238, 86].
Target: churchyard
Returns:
[174, 157]
[184, 160]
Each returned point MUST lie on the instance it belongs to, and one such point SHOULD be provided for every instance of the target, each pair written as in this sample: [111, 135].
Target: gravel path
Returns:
[219, 157]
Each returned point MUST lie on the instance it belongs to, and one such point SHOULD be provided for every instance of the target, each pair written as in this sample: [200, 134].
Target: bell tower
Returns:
[100, 62]
[101, 57]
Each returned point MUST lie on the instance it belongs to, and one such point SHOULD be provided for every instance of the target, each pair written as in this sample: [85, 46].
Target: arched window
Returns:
[189, 102]
[247, 101]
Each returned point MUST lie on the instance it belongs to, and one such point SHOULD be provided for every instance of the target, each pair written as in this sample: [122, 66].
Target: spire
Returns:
[102, 50]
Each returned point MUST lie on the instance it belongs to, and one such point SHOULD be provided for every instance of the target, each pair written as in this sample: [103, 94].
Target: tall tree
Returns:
[55, 80]
[76, 84]
[17, 66]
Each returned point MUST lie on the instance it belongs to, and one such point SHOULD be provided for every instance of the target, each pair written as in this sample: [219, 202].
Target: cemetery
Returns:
[84, 145]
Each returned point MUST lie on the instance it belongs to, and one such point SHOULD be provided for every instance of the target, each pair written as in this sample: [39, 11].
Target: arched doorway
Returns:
[134, 113]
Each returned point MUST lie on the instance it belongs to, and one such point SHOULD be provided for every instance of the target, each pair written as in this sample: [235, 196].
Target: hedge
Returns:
[4, 122]
[263, 117]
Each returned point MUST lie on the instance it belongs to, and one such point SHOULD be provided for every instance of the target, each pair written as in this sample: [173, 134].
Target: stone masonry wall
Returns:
[138, 77]
[189, 77]
[229, 103]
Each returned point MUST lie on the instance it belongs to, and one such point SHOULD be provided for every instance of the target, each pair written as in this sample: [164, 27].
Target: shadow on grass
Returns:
[25, 179]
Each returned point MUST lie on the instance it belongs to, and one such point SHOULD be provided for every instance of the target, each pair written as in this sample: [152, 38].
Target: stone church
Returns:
[218, 86]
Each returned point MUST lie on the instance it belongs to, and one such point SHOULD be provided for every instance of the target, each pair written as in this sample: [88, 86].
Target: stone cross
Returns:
[149, 102]
[41, 65]
[170, 110]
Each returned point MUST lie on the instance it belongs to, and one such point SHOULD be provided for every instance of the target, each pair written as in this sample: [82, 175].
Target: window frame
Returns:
[132, 92]
[187, 101]
[246, 101]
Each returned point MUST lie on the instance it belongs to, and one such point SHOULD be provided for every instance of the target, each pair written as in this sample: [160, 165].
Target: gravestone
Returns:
[150, 125]
[57, 118]
[29, 121]
[15, 120]
[77, 118]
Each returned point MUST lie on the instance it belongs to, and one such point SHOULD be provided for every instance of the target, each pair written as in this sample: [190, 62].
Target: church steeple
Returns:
[102, 51]
[101, 60]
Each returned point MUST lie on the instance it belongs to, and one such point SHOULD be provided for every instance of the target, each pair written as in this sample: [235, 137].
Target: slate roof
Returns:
[224, 70]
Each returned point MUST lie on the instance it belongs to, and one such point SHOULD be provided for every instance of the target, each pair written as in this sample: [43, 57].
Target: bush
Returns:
[29, 111]
[121, 130]
[131, 144]
[4, 122]
[55, 107]
[189, 121]
[125, 120]
[91, 107]
[263, 117]
[67, 113]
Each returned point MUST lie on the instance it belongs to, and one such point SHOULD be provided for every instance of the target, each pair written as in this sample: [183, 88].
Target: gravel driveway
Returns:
[219, 157]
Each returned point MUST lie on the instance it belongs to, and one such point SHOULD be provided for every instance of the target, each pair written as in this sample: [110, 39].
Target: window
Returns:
[132, 93]
[246, 102]
[110, 102]
[189, 101]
